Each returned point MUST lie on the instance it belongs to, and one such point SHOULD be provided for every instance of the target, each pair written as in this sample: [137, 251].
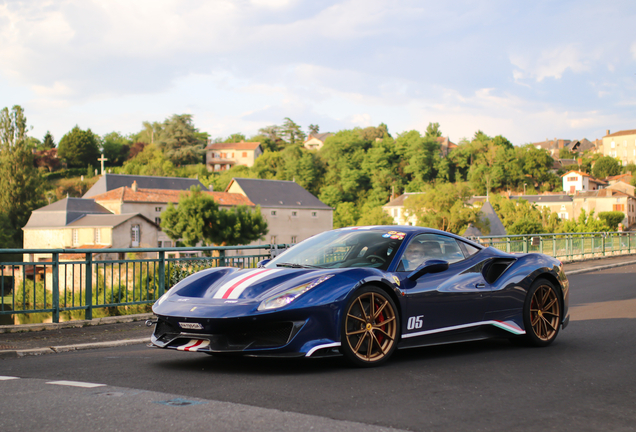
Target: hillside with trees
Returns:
[355, 172]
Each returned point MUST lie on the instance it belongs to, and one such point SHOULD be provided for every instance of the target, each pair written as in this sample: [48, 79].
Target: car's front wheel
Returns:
[370, 327]
[542, 313]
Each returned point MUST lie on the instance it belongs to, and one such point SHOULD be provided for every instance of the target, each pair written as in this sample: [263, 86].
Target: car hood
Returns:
[232, 285]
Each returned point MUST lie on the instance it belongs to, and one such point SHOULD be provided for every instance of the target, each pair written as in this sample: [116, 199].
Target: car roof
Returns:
[408, 229]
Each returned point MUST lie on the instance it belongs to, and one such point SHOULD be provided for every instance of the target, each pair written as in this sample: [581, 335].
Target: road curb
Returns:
[603, 267]
[75, 324]
[76, 347]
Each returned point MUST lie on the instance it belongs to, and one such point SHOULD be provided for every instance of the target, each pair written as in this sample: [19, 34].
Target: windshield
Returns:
[342, 249]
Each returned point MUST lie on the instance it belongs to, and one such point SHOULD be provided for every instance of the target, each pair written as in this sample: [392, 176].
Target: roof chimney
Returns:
[134, 186]
[607, 132]
[211, 187]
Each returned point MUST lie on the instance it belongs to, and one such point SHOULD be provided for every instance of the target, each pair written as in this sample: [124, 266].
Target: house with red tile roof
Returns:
[605, 200]
[315, 141]
[577, 181]
[152, 202]
[223, 156]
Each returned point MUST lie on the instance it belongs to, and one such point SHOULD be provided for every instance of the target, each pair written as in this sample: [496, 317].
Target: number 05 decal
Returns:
[414, 322]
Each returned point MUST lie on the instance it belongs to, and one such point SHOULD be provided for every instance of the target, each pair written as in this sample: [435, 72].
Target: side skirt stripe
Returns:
[508, 326]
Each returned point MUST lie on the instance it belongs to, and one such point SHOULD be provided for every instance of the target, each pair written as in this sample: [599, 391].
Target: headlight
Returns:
[286, 297]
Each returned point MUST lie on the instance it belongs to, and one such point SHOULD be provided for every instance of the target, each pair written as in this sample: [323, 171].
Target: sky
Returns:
[525, 70]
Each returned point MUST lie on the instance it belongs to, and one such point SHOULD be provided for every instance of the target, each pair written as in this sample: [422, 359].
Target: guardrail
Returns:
[567, 246]
[69, 281]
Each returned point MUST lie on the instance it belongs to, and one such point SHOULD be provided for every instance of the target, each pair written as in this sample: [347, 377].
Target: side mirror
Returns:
[262, 263]
[430, 266]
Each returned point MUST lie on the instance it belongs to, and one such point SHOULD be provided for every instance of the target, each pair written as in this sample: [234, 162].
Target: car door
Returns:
[455, 297]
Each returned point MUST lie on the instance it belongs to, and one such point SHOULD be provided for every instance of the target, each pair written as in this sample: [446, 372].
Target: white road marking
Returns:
[7, 378]
[76, 384]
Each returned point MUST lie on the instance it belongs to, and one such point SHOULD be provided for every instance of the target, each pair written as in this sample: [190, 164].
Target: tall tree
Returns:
[21, 185]
[79, 148]
[48, 143]
[606, 166]
[291, 131]
[433, 130]
[180, 140]
[313, 129]
[115, 147]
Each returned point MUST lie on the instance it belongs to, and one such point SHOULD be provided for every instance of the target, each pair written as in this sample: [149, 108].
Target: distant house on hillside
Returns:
[152, 202]
[559, 204]
[576, 181]
[223, 156]
[293, 214]
[396, 209]
[109, 182]
[621, 145]
[446, 146]
[607, 200]
[316, 141]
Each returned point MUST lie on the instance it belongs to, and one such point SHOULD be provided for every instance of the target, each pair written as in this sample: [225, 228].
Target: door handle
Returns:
[480, 285]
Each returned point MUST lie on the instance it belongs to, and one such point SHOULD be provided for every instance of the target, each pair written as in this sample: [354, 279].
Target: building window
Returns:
[75, 237]
[613, 144]
[158, 209]
[294, 239]
[314, 214]
[244, 154]
[232, 155]
[294, 214]
[97, 236]
[135, 235]
[273, 212]
[574, 178]
[625, 143]
[618, 207]
[158, 222]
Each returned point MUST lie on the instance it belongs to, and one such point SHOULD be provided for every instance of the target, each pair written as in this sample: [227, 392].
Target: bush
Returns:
[612, 218]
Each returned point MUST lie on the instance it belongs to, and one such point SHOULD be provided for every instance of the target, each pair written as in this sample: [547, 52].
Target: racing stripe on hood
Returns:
[234, 288]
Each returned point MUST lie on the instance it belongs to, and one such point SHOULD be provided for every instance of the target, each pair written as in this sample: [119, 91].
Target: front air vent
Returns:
[495, 268]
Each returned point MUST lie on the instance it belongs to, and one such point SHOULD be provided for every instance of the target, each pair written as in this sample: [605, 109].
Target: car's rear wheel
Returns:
[370, 327]
[542, 313]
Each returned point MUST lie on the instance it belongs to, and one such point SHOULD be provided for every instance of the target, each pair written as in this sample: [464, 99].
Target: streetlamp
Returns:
[524, 188]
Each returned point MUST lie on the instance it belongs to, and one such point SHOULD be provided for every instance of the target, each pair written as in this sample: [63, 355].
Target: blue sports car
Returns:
[364, 292]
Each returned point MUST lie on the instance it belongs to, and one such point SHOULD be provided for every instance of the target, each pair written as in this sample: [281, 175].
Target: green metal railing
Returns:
[566, 246]
[78, 280]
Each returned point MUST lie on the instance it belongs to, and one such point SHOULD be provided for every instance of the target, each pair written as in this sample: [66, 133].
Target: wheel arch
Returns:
[555, 281]
[386, 287]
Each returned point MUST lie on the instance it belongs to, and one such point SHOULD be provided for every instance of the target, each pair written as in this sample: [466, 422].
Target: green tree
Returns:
[612, 218]
[198, 219]
[235, 137]
[150, 161]
[21, 185]
[433, 131]
[116, 148]
[291, 131]
[181, 141]
[346, 214]
[313, 129]
[79, 147]
[48, 143]
[585, 223]
[375, 216]
[442, 207]
[630, 168]
[606, 166]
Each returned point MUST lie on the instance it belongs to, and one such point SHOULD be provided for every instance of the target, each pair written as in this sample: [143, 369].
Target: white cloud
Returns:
[553, 62]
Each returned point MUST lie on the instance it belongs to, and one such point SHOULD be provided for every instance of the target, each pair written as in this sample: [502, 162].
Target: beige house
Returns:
[78, 223]
[395, 208]
[621, 145]
[559, 204]
[109, 182]
[606, 200]
[223, 156]
[293, 214]
[316, 141]
[152, 202]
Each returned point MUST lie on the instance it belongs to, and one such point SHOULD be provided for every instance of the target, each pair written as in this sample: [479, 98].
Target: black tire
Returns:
[369, 339]
[542, 313]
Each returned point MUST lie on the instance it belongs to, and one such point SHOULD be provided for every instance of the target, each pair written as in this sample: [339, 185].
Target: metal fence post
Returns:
[162, 273]
[222, 258]
[525, 244]
[56, 286]
[554, 248]
[603, 243]
[88, 292]
[508, 244]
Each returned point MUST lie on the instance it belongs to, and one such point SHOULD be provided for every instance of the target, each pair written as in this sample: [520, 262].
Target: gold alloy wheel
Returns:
[371, 327]
[545, 313]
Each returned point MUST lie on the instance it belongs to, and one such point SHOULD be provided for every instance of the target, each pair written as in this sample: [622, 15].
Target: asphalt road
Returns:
[585, 381]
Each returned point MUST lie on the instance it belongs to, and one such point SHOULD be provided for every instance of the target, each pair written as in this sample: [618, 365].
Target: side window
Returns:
[470, 250]
[430, 246]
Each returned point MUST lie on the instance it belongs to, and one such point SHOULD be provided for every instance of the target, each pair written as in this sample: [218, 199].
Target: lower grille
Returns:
[237, 337]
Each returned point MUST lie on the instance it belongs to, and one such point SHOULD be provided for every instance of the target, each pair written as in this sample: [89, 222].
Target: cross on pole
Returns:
[102, 160]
